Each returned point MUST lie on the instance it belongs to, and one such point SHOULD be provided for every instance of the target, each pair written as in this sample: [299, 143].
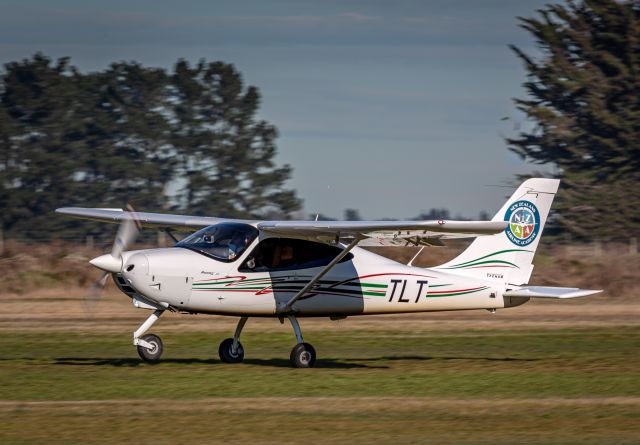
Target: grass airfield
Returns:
[553, 372]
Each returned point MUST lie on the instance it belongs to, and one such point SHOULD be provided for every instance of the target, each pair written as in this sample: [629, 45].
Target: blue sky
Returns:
[390, 107]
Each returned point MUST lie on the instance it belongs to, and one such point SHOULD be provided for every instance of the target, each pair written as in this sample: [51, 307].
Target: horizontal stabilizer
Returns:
[550, 292]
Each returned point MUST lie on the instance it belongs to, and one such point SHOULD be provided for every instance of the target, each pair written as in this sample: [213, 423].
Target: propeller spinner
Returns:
[112, 262]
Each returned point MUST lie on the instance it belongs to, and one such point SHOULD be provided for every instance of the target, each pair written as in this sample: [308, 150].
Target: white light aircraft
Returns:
[294, 269]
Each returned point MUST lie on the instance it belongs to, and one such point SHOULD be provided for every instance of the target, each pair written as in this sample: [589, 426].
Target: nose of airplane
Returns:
[137, 264]
[108, 263]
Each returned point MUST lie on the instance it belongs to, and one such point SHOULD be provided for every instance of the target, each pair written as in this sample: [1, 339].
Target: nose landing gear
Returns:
[152, 354]
[149, 346]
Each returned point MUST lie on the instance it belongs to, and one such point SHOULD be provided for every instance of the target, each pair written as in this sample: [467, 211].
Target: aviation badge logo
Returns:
[524, 223]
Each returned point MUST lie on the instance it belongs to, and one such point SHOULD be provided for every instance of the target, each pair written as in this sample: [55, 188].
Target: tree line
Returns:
[188, 139]
[185, 139]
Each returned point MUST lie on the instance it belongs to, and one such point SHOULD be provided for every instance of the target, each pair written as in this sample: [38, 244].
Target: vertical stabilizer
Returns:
[508, 256]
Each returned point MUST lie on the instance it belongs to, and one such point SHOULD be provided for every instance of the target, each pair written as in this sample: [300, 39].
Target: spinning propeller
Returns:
[113, 262]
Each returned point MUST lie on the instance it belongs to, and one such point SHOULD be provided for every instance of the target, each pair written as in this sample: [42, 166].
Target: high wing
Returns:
[370, 233]
[384, 233]
[157, 220]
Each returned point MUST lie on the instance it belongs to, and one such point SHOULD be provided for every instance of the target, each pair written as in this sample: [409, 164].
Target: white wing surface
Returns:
[371, 233]
[161, 220]
[383, 233]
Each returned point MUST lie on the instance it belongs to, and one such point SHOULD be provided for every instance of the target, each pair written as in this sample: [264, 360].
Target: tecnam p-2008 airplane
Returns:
[294, 269]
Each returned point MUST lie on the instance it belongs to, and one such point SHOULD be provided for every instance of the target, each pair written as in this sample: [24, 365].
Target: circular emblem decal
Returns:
[524, 223]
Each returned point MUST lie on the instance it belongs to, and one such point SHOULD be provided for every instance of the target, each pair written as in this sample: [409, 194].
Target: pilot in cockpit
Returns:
[238, 244]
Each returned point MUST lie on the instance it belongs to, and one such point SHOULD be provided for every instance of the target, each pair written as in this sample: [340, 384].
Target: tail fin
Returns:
[509, 255]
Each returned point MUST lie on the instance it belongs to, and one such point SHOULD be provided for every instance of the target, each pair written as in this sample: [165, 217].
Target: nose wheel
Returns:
[152, 349]
[149, 346]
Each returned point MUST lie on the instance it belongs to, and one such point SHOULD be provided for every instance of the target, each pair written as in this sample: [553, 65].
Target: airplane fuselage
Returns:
[365, 284]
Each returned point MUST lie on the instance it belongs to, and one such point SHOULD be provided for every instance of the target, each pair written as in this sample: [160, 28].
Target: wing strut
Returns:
[287, 308]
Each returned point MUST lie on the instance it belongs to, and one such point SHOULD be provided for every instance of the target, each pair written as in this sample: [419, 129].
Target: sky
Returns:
[388, 107]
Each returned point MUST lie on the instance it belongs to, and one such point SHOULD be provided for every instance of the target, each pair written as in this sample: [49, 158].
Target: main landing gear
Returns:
[303, 355]
[231, 350]
[150, 348]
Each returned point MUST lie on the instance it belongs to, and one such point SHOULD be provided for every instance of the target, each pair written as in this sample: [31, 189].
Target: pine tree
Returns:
[38, 151]
[584, 108]
[186, 141]
[226, 153]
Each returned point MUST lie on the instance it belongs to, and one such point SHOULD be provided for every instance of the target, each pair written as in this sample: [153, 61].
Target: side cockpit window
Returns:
[288, 253]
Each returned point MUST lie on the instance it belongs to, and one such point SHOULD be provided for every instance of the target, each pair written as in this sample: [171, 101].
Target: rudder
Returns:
[509, 255]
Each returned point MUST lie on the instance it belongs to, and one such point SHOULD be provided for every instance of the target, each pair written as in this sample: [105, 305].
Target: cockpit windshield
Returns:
[223, 242]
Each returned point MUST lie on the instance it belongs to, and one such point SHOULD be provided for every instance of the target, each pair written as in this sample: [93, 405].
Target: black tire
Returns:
[303, 355]
[226, 352]
[151, 355]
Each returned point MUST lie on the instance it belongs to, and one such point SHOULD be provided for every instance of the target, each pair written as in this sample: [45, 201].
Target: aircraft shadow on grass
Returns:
[126, 362]
[274, 362]
[327, 363]
[428, 358]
